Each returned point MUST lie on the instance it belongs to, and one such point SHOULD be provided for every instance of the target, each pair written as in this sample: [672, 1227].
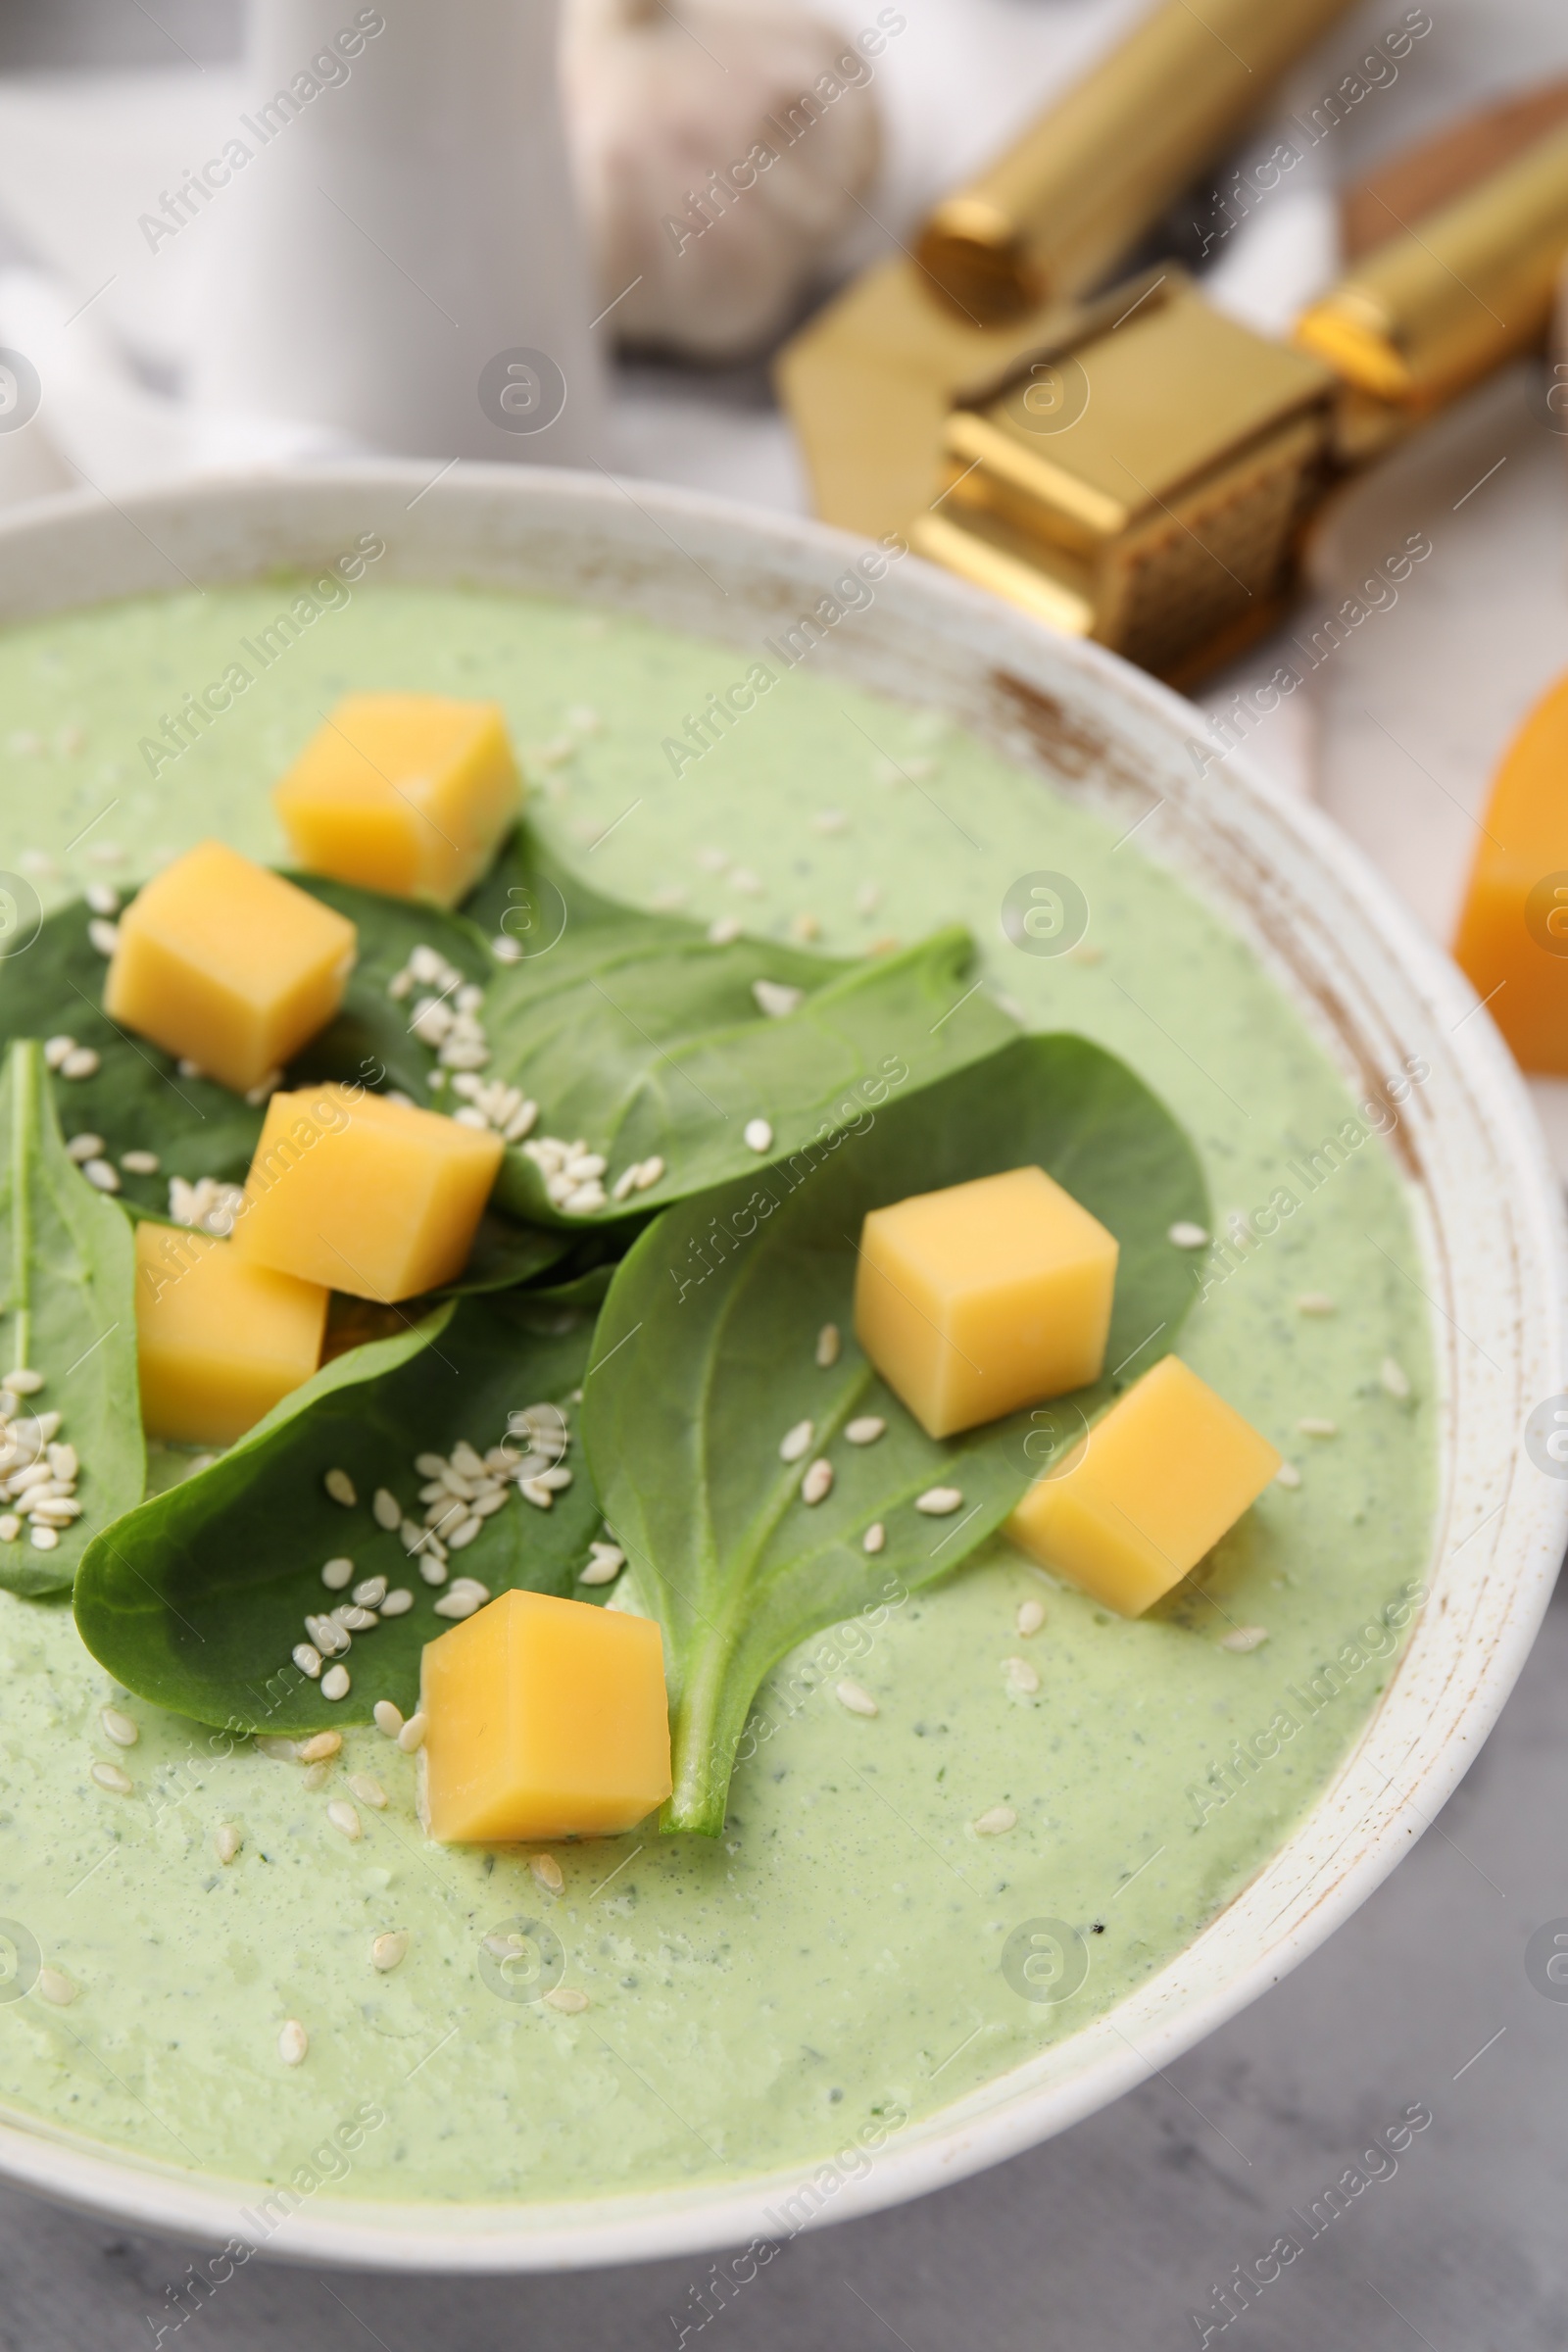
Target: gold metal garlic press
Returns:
[1144, 476]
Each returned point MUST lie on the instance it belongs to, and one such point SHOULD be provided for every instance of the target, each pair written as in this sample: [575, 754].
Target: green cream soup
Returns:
[853, 1954]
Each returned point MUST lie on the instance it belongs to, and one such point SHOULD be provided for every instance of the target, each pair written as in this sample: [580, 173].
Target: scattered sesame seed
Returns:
[387, 1951]
[56, 1048]
[566, 1999]
[139, 1163]
[367, 1788]
[938, 1501]
[340, 1487]
[818, 1482]
[1245, 1637]
[1318, 1428]
[459, 1537]
[398, 1603]
[228, 1840]
[10, 1528]
[865, 1429]
[1021, 1675]
[828, 1345]
[435, 1569]
[80, 1062]
[84, 1147]
[110, 1777]
[604, 1566]
[456, 1604]
[292, 2042]
[55, 1988]
[547, 1870]
[1315, 1303]
[318, 1747]
[355, 1620]
[506, 951]
[742, 878]
[724, 932]
[855, 1698]
[24, 1382]
[369, 1593]
[335, 1683]
[102, 1176]
[758, 1136]
[386, 1510]
[1031, 1617]
[316, 1775]
[44, 1538]
[281, 1751]
[875, 1536]
[1287, 1475]
[997, 1821]
[343, 1818]
[188, 1068]
[103, 935]
[411, 1735]
[102, 898]
[830, 820]
[777, 999]
[1186, 1235]
[795, 1442]
[1395, 1379]
[388, 1716]
[118, 1728]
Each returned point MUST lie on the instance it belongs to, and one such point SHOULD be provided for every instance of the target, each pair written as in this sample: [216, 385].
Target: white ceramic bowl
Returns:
[1487, 1207]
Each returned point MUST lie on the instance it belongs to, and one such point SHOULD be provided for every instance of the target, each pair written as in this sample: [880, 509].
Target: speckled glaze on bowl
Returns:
[1487, 1209]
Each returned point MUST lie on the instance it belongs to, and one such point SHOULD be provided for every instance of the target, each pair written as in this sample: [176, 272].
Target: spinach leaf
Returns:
[706, 1355]
[641, 1036]
[67, 1309]
[196, 1599]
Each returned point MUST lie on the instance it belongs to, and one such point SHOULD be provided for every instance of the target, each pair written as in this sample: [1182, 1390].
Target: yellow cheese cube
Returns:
[227, 964]
[544, 1718]
[987, 1296]
[217, 1340]
[1147, 1492]
[1513, 940]
[403, 793]
[366, 1196]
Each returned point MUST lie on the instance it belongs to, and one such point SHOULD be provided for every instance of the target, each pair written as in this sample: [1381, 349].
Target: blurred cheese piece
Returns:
[217, 1340]
[227, 965]
[987, 1296]
[544, 1718]
[1147, 1492]
[366, 1196]
[409, 793]
[1512, 942]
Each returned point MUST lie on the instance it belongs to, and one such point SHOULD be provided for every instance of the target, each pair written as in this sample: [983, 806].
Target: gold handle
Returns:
[1066, 203]
[1438, 306]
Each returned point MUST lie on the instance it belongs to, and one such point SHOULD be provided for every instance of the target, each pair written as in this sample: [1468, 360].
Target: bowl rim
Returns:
[76, 540]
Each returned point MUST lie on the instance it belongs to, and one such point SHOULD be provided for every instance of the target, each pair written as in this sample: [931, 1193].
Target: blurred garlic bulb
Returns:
[719, 147]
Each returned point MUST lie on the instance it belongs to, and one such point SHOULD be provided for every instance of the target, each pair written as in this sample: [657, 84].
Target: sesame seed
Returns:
[110, 1777]
[456, 1604]
[56, 1048]
[776, 998]
[462, 1535]
[80, 1062]
[1031, 1617]
[867, 899]
[318, 1747]
[506, 951]
[726, 930]
[387, 1951]
[292, 2042]
[398, 1603]
[1315, 1303]
[997, 1821]
[1186, 1235]
[369, 1593]
[938, 1501]
[828, 1345]
[102, 898]
[118, 1728]
[625, 1183]
[758, 1136]
[340, 1487]
[1318, 1428]
[830, 820]
[866, 1430]
[603, 1568]
[534, 1490]
[44, 1538]
[24, 1382]
[335, 1683]
[10, 1528]
[649, 1174]
[55, 1988]
[1245, 1637]
[855, 1697]
[343, 1818]
[102, 935]
[742, 878]
[385, 1510]
[84, 1147]
[795, 1442]
[355, 1620]
[367, 1788]
[566, 1999]
[102, 1176]
[139, 1163]
[411, 1735]
[875, 1536]
[316, 1775]
[1395, 1379]
[818, 1482]
[1287, 1475]
[1021, 1675]
[228, 1840]
[547, 1870]
[388, 1716]
[434, 1569]
[281, 1751]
